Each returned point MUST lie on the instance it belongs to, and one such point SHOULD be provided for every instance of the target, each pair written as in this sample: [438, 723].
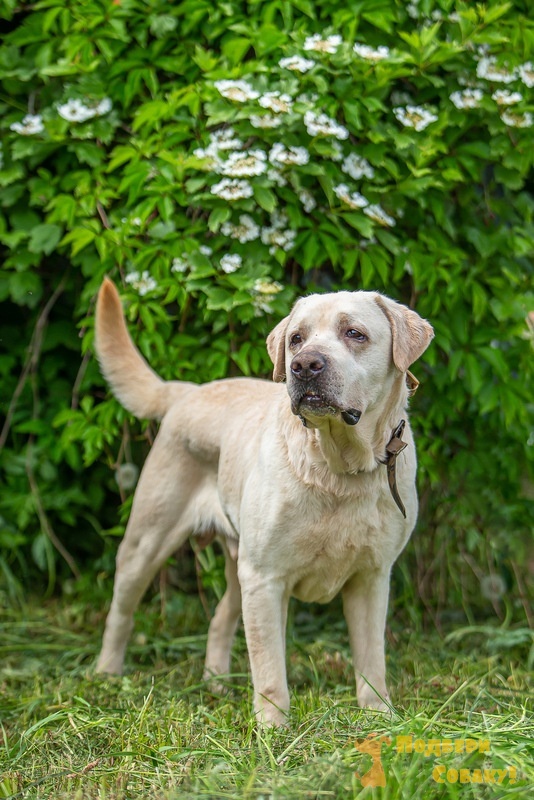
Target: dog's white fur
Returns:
[301, 511]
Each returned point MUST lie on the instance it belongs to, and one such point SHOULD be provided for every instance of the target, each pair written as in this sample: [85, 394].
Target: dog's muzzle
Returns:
[308, 370]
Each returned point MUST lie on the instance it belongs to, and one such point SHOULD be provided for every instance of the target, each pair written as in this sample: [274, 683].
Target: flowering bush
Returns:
[218, 161]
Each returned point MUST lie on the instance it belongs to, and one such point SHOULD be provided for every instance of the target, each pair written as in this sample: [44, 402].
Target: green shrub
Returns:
[218, 160]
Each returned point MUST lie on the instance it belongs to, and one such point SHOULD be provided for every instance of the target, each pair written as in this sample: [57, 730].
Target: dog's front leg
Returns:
[365, 602]
[265, 604]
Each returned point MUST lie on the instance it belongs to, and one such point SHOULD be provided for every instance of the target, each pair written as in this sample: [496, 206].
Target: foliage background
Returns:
[124, 193]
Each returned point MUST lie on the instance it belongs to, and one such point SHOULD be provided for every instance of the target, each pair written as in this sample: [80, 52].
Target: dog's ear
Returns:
[276, 347]
[411, 333]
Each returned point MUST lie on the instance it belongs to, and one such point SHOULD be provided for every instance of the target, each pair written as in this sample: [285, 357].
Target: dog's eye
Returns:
[295, 339]
[352, 333]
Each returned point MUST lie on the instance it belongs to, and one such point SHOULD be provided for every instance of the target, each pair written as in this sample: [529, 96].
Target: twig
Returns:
[102, 214]
[34, 351]
[78, 381]
[44, 521]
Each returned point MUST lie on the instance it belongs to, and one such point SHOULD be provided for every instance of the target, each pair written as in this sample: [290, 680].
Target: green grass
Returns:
[160, 733]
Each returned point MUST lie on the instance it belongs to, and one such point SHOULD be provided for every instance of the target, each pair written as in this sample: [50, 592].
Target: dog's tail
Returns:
[133, 382]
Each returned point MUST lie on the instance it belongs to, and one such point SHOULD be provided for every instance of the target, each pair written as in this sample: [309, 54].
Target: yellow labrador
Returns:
[300, 481]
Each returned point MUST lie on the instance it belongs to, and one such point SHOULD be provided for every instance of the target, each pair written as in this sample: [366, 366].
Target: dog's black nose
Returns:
[308, 365]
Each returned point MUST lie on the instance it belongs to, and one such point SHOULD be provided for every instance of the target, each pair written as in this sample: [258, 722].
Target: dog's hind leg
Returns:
[163, 514]
[224, 623]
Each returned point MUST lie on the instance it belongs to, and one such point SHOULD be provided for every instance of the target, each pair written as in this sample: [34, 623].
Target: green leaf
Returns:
[217, 217]
[265, 198]
[78, 238]
[44, 238]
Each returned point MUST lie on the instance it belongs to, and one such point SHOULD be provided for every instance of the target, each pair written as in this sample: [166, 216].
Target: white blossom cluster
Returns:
[278, 234]
[357, 167]
[142, 282]
[525, 120]
[370, 53]
[467, 98]
[232, 189]
[245, 231]
[355, 200]
[31, 124]
[76, 111]
[288, 156]
[321, 125]
[489, 69]
[503, 97]
[73, 111]
[416, 117]
[230, 262]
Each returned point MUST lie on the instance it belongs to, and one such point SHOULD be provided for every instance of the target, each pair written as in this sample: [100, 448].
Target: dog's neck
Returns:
[333, 451]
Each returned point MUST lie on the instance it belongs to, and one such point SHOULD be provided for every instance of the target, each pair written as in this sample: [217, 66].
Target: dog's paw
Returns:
[373, 702]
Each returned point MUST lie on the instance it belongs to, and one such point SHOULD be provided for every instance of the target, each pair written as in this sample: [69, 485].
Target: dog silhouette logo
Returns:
[372, 746]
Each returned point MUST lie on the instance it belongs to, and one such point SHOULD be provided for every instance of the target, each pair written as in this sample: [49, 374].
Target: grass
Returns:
[159, 733]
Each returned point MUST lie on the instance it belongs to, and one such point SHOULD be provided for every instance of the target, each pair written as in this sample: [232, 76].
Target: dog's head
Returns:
[339, 352]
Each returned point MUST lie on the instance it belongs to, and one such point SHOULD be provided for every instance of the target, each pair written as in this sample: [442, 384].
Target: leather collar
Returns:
[393, 448]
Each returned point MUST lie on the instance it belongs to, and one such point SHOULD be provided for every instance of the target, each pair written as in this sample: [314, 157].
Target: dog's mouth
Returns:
[314, 402]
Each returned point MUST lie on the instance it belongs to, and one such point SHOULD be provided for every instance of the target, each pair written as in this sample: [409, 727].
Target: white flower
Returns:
[277, 238]
[357, 167]
[517, 120]
[378, 214]
[296, 63]
[487, 68]
[103, 107]
[351, 199]
[279, 103]
[239, 91]
[370, 53]
[126, 476]
[205, 250]
[320, 44]
[30, 125]
[415, 117]
[288, 155]
[245, 164]
[526, 73]
[179, 264]
[468, 98]
[264, 289]
[492, 587]
[75, 111]
[246, 231]
[503, 97]
[277, 177]
[267, 287]
[337, 153]
[307, 200]
[267, 121]
[321, 125]
[224, 139]
[142, 283]
[221, 140]
[230, 262]
[413, 10]
[232, 189]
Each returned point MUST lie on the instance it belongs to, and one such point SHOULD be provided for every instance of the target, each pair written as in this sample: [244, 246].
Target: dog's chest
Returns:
[326, 553]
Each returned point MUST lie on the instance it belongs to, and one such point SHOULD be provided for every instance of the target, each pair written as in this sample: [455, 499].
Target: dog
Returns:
[309, 486]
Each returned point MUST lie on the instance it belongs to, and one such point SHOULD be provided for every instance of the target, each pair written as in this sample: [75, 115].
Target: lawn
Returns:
[463, 725]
